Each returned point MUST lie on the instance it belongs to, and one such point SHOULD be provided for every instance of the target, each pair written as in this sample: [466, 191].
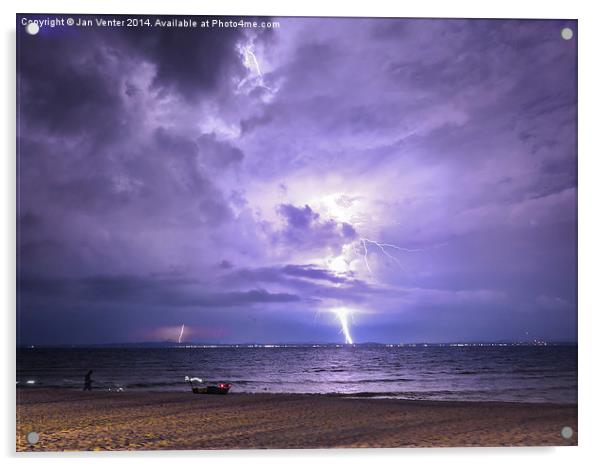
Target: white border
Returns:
[590, 231]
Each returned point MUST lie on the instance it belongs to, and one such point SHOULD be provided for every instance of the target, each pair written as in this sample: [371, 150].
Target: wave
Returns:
[404, 373]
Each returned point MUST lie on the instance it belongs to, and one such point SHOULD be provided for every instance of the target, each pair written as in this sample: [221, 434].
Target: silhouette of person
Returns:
[88, 381]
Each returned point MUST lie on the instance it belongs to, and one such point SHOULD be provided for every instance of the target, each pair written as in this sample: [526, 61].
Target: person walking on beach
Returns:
[88, 381]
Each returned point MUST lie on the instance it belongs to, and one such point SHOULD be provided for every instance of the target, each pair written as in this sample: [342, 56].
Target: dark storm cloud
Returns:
[67, 76]
[139, 290]
[206, 150]
[313, 283]
[226, 264]
[291, 274]
[80, 76]
[184, 160]
[301, 218]
[123, 191]
[218, 154]
[305, 228]
[190, 61]
[313, 272]
[166, 170]
[81, 142]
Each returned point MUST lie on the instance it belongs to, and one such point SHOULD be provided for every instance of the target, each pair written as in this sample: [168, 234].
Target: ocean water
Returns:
[495, 373]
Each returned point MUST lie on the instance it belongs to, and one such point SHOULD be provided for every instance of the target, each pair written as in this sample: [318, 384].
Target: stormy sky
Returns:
[417, 176]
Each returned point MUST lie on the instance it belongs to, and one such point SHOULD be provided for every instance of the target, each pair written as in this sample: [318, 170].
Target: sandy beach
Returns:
[75, 420]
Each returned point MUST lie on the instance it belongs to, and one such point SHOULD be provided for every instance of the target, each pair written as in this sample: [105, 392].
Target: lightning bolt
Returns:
[252, 62]
[383, 249]
[366, 255]
[342, 314]
[181, 333]
[249, 53]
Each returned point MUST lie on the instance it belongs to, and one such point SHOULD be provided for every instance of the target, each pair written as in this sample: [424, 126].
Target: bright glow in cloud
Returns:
[339, 206]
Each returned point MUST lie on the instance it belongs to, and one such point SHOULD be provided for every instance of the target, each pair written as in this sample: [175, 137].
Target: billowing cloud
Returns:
[305, 229]
[144, 291]
[165, 177]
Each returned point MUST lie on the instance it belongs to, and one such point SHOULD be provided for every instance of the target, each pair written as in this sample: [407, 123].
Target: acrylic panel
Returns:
[295, 232]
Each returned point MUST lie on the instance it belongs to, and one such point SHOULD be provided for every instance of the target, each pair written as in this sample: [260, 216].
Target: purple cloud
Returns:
[164, 182]
[304, 228]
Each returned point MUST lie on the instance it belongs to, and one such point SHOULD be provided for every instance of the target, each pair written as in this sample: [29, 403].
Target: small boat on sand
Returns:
[218, 389]
[211, 389]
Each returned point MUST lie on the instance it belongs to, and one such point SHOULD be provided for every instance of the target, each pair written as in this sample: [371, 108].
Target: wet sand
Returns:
[76, 420]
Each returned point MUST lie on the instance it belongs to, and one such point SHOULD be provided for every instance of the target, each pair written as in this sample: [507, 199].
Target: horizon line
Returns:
[175, 344]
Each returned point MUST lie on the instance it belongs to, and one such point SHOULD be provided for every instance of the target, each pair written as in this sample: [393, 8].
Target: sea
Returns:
[419, 372]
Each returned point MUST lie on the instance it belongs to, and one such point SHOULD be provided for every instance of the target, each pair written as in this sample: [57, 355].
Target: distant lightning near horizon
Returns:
[181, 333]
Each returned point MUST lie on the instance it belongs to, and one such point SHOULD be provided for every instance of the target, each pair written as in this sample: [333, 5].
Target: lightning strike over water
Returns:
[181, 333]
[342, 314]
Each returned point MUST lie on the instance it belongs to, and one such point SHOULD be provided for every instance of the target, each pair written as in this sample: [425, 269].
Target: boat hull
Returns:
[221, 389]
